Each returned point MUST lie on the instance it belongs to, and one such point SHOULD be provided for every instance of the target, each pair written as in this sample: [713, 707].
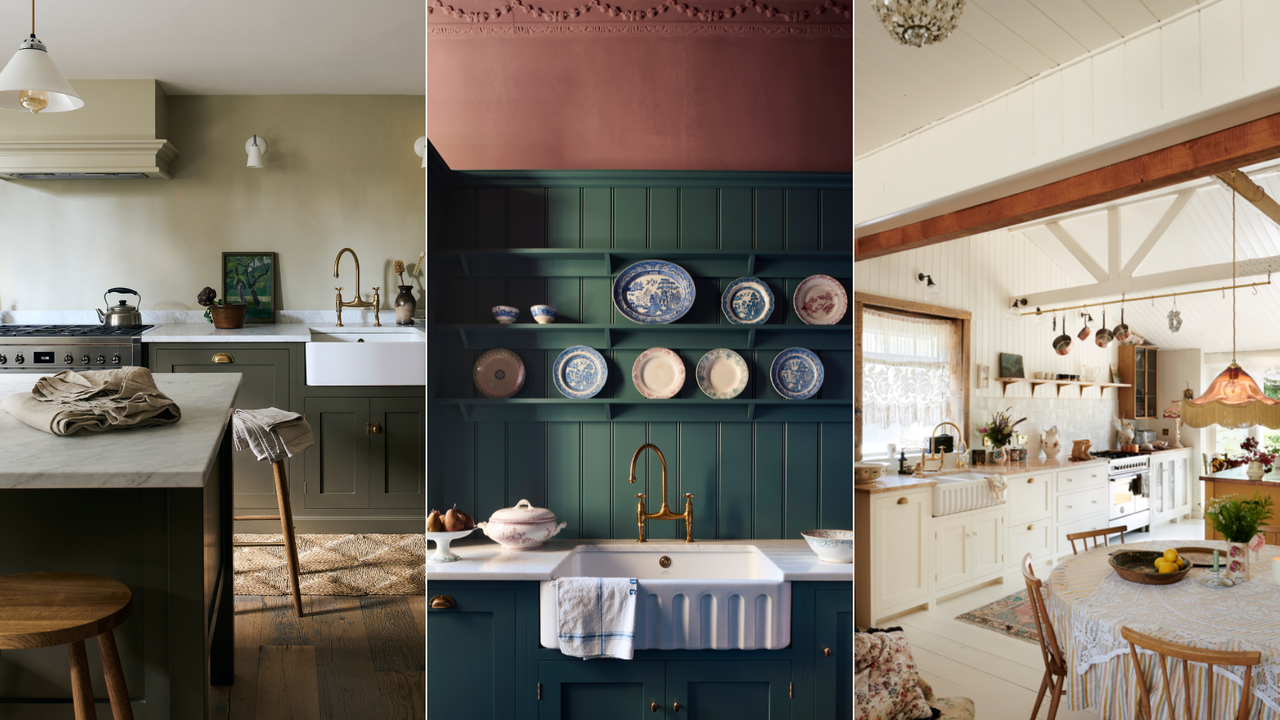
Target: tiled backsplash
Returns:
[1089, 418]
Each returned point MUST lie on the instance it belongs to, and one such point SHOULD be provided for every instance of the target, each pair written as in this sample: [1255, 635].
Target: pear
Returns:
[434, 523]
[468, 523]
[453, 519]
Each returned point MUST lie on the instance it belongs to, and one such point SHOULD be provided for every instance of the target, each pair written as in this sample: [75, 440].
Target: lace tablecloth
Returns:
[1089, 603]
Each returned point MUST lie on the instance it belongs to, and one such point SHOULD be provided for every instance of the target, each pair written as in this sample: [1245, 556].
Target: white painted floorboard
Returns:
[1000, 674]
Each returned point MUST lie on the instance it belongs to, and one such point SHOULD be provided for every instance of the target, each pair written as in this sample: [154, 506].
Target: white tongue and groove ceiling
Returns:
[998, 45]
[232, 47]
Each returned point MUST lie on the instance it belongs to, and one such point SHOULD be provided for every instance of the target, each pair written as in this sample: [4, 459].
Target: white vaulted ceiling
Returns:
[998, 45]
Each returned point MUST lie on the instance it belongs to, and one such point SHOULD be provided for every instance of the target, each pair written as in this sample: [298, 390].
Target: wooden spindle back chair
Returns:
[1083, 537]
[1055, 662]
[1187, 654]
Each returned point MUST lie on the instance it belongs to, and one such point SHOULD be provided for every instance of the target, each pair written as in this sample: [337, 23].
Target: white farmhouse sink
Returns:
[958, 492]
[366, 356]
[709, 598]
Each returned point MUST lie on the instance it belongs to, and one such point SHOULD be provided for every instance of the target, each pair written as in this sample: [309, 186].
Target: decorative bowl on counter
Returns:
[833, 546]
[523, 527]
[442, 539]
[868, 472]
[1137, 566]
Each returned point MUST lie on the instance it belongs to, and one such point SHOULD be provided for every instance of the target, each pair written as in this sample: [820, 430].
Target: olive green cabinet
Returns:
[832, 655]
[472, 651]
[369, 453]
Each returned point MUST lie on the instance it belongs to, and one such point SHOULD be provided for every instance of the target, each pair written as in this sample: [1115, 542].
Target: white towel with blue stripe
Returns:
[596, 617]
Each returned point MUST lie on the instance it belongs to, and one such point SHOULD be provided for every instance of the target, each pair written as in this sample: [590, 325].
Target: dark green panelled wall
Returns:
[750, 480]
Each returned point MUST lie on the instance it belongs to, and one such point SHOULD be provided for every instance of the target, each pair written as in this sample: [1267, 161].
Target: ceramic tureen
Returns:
[523, 527]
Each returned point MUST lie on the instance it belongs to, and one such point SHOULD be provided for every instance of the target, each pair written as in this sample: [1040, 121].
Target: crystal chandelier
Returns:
[919, 22]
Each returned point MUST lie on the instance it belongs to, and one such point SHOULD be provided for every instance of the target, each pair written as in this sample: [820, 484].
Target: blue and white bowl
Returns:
[543, 314]
[580, 372]
[505, 314]
[833, 546]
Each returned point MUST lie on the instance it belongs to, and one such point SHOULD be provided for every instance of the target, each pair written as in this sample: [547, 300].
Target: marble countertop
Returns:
[204, 332]
[483, 559]
[891, 483]
[168, 456]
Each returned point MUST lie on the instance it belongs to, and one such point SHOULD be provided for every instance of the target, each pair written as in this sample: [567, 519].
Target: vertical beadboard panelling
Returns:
[564, 475]
[664, 218]
[626, 438]
[1019, 135]
[1142, 76]
[735, 218]
[597, 491]
[1077, 101]
[1180, 60]
[564, 217]
[733, 498]
[597, 217]
[1108, 89]
[768, 495]
[802, 478]
[770, 219]
[528, 217]
[630, 205]
[837, 464]
[802, 220]
[698, 218]
[491, 217]
[526, 463]
[491, 468]
[995, 144]
[1047, 94]
[666, 437]
[1261, 53]
[1220, 29]
[697, 473]
[837, 220]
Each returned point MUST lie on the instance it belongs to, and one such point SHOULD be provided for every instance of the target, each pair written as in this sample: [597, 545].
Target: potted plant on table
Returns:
[1237, 519]
[223, 315]
[1000, 432]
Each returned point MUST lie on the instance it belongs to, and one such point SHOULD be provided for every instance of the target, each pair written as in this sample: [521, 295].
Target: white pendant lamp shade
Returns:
[256, 147]
[32, 83]
[420, 147]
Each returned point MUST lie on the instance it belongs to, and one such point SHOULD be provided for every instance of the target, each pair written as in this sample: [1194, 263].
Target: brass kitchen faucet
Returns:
[358, 302]
[665, 513]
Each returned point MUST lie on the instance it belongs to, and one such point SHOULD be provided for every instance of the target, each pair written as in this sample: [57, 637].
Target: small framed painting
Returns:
[984, 377]
[251, 278]
[1010, 365]
[1115, 372]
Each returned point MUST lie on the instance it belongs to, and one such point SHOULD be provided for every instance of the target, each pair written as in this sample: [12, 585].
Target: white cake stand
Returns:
[442, 554]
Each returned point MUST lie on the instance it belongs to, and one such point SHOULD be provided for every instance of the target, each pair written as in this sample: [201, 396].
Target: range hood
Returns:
[118, 134]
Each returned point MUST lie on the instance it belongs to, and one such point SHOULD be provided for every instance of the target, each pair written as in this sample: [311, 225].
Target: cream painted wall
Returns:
[340, 172]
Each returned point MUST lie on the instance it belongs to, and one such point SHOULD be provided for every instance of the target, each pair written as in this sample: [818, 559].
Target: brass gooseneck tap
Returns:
[665, 513]
[358, 302]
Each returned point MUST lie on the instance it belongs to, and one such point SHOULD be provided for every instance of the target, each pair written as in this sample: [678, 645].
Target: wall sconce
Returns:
[420, 147]
[1015, 310]
[257, 148]
[932, 292]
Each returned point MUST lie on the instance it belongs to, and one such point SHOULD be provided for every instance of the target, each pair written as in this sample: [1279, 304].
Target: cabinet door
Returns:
[1034, 537]
[336, 469]
[952, 558]
[987, 543]
[265, 384]
[1182, 469]
[397, 467]
[1030, 498]
[471, 654]
[899, 548]
[730, 690]
[577, 690]
[832, 673]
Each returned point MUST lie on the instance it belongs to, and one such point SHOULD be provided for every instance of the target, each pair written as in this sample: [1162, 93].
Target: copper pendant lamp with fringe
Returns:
[1233, 399]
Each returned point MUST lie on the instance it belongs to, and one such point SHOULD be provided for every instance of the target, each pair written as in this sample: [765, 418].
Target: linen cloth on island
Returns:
[1089, 603]
[94, 401]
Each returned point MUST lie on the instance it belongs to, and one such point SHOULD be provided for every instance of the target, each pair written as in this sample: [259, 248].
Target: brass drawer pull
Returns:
[442, 602]
[676, 707]
[223, 358]
[826, 652]
[653, 707]
[903, 501]
[1031, 527]
[373, 428]
[1030, 480]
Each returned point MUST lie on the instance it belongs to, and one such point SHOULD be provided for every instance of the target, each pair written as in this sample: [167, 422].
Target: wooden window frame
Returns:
[877, 302]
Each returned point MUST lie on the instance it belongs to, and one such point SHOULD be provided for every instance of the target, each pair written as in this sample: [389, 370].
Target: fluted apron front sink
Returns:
[709, 598]
[366, 356]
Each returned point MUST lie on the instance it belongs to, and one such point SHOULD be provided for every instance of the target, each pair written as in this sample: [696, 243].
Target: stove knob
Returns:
[115, 359]
[19, 359]
[102, 360]
[3, 359]
[84, 359]
[68, 359]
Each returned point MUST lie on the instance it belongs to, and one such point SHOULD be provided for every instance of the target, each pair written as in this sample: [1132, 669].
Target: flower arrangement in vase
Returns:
[1258, 460]
[999, 431]
[1237, 520]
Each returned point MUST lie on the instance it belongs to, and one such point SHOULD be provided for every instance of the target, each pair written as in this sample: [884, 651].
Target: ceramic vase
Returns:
[1237, 566]
[998, 455]
[1255, 471]
[405, 305]
[1050, 442]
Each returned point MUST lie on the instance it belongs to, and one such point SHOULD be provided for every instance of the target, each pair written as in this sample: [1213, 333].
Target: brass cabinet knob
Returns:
[826, 652]
[903, 501]
[653, 707]
[223, 358]
[442, 602]
[676, 707]
[1031, 527]
[373, 428]
[1030, 480]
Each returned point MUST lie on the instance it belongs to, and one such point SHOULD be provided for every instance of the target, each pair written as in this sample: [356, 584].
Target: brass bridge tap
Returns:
[358, 302]
[665, 513]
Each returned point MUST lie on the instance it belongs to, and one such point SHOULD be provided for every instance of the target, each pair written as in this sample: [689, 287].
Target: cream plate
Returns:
[658, 373]
[820, 300]
[722, 374]
[498, 373]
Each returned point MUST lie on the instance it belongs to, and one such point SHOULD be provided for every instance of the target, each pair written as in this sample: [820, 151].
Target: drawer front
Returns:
[1030, 498]
[1083, 505]
[1062, 530]
[1033, 537]
[1080, 478]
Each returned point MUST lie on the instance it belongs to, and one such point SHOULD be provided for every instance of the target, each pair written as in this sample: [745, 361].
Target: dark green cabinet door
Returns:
[398, 468]
[336, 469]
[599, 689]
[265, 384]
[729, 690]
[471, 654]
[833, 676]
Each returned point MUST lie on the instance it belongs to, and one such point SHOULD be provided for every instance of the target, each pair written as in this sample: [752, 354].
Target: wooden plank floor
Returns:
[347, 658]
[1000, 674]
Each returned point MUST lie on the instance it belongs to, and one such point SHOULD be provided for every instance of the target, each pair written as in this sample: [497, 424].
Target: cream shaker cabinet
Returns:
[892, 544]
[968, 547]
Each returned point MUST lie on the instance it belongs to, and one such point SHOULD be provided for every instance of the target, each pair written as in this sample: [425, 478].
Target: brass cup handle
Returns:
[223, 358]
[653, 707]
[1030, 480]
[442, 602]
[826, 652]
[903, 501]
[676, 707]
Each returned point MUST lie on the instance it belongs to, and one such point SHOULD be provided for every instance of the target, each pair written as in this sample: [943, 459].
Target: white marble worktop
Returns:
[483, 559]
[165, 456]
[204, 332]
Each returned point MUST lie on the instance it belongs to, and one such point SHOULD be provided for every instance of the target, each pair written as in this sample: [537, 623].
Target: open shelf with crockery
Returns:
[633, 336]
[645, 410]
[604, 262]
[1037, 382]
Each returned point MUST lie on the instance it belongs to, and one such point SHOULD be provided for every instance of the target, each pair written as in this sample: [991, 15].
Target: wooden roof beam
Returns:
[1249, 190]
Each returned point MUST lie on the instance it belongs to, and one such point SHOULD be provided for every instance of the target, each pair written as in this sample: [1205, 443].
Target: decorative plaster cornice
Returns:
[770, 21]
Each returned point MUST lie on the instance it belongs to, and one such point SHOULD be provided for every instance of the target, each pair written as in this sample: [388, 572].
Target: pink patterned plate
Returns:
[498, 373]
[820, 300]
[658, 373]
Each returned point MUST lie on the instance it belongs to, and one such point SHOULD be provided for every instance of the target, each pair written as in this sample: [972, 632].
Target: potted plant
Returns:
[1237, 519]
[1000, 432]
[223, 315]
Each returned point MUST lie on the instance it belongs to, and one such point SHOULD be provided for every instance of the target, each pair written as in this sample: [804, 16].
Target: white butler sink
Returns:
[958, 492]
[722, 597]
[366, 356]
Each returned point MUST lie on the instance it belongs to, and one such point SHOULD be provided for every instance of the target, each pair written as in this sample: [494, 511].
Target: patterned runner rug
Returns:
[1010, 616]
[335, 565]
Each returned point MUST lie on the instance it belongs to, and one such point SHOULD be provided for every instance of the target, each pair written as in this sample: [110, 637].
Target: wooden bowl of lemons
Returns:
[1150, 567]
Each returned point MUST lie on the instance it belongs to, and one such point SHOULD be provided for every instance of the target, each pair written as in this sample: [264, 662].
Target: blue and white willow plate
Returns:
[722, 374]
[580, 372]
[796, 374]
[653, 292]
[747, 301]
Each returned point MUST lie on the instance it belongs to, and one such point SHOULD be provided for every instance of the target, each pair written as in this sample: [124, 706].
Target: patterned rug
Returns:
[1010, 616]
[335, 565]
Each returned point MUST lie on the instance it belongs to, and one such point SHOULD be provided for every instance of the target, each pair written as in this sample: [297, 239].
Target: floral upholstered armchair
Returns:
[888, 686]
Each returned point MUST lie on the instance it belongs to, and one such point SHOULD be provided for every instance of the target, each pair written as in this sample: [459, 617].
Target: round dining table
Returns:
[1089, 604]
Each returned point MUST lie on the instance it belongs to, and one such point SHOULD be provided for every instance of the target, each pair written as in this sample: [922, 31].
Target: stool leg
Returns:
[286, 525]
[116, 689]
[81, 686]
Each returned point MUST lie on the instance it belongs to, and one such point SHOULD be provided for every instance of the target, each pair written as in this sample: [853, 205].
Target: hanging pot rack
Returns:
[1123, 300]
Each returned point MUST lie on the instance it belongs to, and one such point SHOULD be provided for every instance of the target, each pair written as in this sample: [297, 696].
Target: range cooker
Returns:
[1129, 477]
[52, 348]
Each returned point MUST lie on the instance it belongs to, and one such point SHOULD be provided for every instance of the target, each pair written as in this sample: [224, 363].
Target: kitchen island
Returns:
[1234, 481]
[149, 507]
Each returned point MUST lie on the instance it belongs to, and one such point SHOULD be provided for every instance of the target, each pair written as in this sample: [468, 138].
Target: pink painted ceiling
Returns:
[674, 87]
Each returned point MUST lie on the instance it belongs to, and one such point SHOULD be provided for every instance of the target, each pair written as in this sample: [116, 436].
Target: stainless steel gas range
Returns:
[49, 349]
[1129, 475]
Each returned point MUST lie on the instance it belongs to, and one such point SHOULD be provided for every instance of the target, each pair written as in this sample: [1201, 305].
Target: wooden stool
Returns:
[286, 525]
[60, 608]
